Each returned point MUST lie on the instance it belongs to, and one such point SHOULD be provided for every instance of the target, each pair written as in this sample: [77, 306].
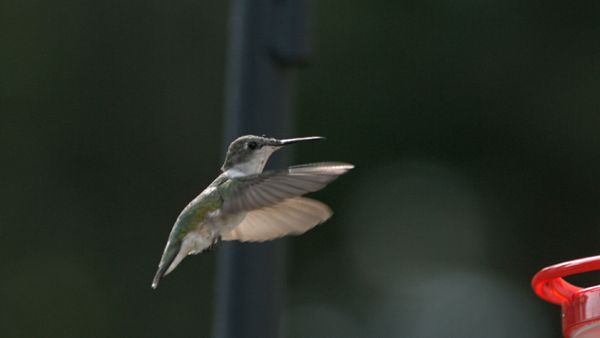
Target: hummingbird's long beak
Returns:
[285, 142]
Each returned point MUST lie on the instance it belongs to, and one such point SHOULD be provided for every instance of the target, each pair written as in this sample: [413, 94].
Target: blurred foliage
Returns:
[473, 125]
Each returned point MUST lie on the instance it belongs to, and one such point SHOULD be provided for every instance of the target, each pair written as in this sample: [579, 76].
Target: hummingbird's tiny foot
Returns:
[214, 242]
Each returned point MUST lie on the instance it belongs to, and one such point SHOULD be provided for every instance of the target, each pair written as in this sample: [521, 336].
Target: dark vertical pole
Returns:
[268, 38]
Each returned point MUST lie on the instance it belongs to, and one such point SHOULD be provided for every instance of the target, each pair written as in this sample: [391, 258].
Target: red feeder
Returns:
[580, 306]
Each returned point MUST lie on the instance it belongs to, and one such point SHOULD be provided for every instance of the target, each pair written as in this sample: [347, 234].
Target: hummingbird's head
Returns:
[248, 154]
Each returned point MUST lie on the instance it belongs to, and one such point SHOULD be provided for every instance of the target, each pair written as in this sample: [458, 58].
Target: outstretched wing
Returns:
[293, 216]
[253, 192]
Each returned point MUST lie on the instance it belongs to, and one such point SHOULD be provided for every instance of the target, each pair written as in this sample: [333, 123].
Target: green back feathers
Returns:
[195, 212]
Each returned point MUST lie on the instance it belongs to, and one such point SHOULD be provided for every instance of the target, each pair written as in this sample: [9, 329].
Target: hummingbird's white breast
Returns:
[220, 223]
[206, 232]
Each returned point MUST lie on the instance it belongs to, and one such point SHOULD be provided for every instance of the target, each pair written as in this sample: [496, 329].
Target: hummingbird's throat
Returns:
[253, 165]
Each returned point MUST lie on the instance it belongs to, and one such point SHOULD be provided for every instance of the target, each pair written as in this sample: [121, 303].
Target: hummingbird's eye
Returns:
[252, 145]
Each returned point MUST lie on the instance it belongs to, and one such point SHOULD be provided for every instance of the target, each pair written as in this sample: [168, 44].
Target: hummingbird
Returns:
[245, 203]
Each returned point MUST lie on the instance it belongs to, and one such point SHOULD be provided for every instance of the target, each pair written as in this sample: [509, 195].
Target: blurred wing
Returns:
[290, 217]
[268, 188]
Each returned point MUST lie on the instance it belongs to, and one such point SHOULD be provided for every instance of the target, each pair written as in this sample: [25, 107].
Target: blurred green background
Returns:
[473, 125]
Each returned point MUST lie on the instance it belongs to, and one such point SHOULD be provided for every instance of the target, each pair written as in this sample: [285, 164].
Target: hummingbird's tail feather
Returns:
[157, 278]
[180, 256]
[174, 253]
[169, 255]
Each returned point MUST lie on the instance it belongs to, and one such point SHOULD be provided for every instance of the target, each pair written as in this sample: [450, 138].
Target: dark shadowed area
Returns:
[474, 128]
